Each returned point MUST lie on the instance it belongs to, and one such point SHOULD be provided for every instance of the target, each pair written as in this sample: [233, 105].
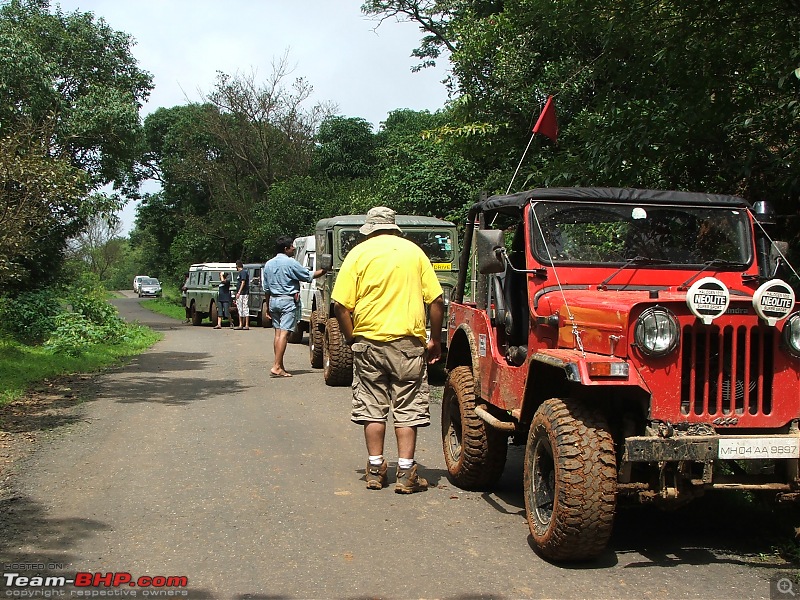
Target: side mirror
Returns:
[325, 261]
[778, 249]
[489, 246]
[777, 254]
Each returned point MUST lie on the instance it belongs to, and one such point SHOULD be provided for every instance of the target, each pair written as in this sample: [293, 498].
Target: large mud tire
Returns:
[197, 317]
[213, 314]
[475, 454]
[570, 480]
[337, 356]
[315, 341]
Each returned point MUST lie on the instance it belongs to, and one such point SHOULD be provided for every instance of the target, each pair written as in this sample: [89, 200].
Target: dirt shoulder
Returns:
[45, 408]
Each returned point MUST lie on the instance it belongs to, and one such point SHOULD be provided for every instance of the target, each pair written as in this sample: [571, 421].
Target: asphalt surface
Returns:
[189, 461]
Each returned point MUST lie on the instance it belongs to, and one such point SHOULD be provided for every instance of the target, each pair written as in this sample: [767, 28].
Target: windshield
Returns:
[149, 281]
[436, 244]
[615, 233]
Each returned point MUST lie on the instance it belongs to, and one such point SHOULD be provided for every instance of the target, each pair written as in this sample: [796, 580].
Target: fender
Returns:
[587, 368]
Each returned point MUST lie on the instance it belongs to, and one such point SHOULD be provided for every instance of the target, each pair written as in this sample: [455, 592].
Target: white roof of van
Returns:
[309, 242]
[212, 265]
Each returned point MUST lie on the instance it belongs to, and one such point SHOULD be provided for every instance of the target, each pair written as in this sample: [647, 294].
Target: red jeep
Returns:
[636, 341]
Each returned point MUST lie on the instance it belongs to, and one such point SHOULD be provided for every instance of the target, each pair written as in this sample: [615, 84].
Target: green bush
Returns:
[68, 322]
[30, 317]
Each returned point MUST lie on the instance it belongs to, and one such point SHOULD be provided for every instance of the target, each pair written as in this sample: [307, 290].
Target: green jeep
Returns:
[336, 236]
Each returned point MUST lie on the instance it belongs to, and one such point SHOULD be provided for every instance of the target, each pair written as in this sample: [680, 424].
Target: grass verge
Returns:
[21, 365]
[166, 307]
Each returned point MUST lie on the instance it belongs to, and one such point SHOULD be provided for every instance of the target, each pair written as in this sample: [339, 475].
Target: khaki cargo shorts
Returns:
[391, 376]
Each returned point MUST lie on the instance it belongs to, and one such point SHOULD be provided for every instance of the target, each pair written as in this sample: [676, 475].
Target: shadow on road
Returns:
[721, 527]
[168, 390]
[24, 520]
[167, 362]
[43, 547]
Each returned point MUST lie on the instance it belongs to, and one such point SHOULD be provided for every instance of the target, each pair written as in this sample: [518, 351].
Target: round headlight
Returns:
[657, 332]
[791, 334]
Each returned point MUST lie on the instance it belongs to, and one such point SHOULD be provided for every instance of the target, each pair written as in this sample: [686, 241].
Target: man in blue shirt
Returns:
[282, 276]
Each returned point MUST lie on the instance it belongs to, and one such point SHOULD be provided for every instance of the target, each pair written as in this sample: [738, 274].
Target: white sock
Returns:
[405, 463]
[376, 461]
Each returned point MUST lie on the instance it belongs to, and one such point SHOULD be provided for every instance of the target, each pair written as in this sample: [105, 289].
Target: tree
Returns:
[40, 202]
[346, 147]
[218, 163]
[421, 173]
[71, 97]
[100, 246]
[664, 94]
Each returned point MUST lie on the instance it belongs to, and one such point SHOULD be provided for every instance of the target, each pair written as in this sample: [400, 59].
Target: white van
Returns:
[306, 255]
[138, 280]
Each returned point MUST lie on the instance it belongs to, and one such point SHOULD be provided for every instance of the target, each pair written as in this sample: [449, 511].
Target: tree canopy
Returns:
[69, 125]
[668, 94]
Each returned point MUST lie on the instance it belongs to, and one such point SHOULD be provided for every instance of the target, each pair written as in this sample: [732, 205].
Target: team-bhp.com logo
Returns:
[16, 583]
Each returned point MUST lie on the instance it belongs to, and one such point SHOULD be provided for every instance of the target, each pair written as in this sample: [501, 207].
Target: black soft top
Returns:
[513, 203]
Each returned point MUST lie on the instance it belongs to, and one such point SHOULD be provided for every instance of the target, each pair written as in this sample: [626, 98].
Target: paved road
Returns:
[190, 461]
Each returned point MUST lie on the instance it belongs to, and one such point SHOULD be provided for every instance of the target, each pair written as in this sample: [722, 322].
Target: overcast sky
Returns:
[183, 43]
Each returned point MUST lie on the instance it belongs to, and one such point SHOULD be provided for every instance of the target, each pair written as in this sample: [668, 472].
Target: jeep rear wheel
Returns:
[475, 454]
[337, 357]
[570, 480]
[197, 317]
[315, 341]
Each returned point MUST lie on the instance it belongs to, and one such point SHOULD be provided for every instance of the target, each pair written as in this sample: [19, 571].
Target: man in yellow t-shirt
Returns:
[379, 300]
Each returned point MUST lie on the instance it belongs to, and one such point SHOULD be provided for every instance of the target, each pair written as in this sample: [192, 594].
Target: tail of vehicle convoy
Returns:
[203, 289]
[637, 342]
[336, 236]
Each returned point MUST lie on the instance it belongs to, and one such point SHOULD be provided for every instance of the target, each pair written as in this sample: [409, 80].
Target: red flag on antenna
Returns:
[547, 124]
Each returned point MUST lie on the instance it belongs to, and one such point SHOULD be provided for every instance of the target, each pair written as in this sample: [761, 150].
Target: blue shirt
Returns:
[283, 275]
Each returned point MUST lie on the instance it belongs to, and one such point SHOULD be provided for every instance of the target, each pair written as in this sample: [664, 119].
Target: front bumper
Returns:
[707, 448]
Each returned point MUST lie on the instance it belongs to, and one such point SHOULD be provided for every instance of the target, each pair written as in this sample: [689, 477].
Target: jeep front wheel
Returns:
[197, 317]
[214, 314]
[337, 357]
[475, 454]
[315, 341]
[570, 479]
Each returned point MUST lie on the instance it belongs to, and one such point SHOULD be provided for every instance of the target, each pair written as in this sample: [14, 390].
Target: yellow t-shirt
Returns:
[386, 281]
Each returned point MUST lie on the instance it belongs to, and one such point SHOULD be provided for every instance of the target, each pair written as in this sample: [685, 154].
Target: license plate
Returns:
[752, 448]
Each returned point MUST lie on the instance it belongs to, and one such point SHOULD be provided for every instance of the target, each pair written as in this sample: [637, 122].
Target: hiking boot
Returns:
[409, 482]
[376, 476]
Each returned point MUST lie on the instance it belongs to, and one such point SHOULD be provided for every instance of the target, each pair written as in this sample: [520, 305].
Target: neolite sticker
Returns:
[773, 301]
[482, 344]
[708, 298]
